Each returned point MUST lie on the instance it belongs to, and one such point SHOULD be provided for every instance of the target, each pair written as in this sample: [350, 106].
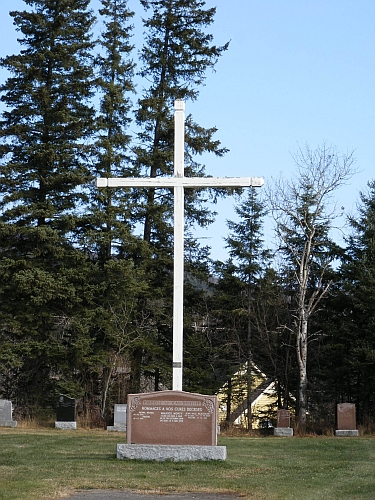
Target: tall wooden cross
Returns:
[179, 183]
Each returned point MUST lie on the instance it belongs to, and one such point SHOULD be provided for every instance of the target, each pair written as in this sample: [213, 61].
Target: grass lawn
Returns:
[51, 463]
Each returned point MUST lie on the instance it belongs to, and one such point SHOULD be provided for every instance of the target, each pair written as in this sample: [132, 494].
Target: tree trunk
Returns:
[302, 367]
[249, 390]
[229, 400]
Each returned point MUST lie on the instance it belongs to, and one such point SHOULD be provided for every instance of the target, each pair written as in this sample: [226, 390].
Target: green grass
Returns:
[49, 463]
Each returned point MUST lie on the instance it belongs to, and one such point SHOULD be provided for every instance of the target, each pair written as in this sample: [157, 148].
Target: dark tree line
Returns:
[86, 274]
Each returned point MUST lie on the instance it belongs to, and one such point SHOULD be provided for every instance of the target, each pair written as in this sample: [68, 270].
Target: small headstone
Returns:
[283, 424]
[283, 418]
[119, 418]
[66, 413]
[172, 417]
[6, 419]
[346, 420]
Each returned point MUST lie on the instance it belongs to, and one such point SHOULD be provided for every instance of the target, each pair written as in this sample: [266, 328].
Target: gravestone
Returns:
[346, 420]
[283, 424]
[66, 413]
[172, 417]
[119, 419]
[172, 425]
[6, 419]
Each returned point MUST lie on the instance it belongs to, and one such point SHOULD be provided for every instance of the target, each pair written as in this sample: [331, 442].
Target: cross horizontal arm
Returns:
[188, 182]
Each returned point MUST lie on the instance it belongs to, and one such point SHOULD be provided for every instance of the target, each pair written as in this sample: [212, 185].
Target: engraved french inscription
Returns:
[172, 417]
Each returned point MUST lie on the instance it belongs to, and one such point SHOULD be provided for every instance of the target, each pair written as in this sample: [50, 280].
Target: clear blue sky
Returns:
[296, 72]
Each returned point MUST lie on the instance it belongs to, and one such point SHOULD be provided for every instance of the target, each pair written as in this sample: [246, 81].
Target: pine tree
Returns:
[44, 132]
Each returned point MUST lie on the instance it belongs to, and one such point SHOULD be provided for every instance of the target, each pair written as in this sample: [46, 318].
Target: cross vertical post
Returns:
[178, 265]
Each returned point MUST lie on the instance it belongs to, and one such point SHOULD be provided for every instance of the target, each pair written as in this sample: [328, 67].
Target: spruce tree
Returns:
[240, 277]
[45, 128]
[355, 338]
[115, 72]
[176, 54]
[118, 327]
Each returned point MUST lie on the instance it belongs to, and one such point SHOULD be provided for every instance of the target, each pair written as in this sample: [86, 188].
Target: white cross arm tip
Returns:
[101, 182]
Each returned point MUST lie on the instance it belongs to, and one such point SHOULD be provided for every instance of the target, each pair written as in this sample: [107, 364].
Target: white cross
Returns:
[179, 183]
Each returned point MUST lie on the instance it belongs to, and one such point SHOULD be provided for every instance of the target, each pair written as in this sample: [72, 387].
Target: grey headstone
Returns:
[119, 419]
[6, 419]
[347, 433]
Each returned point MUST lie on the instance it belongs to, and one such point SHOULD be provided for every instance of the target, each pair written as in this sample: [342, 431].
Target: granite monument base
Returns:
[116, 428]
[175, 453]
[347, 433]
[283, 431]
[8, 423]
[66, 425]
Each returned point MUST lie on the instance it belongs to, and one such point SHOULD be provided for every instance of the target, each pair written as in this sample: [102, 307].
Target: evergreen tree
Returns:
[240, 279]
[112, 208]
[175, 57]
[353, 343]
[176, 54]
[43, 153]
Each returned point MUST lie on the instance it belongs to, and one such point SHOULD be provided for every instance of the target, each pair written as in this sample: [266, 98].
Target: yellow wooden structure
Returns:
[234, 394]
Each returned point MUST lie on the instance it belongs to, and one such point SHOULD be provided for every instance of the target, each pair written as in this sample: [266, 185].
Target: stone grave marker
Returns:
[172, 421]
[172, 417]
[6, 419]
[283, 424]
[283, 418]
[346, 420]
[119, 418]
[66, 413]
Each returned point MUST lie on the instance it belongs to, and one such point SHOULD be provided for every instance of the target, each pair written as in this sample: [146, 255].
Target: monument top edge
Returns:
[171, 393]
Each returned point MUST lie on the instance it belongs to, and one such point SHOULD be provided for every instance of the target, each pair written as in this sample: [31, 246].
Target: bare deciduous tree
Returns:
[304, 211]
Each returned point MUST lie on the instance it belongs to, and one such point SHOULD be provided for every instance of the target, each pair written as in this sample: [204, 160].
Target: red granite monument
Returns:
[283, 424]
[172, 418]
[346, 420]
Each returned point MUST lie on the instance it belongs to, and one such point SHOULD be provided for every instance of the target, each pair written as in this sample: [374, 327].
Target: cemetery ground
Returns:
[46, 463]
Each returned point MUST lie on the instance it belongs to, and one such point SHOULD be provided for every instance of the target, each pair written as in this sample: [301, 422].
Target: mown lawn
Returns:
[49, 464]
